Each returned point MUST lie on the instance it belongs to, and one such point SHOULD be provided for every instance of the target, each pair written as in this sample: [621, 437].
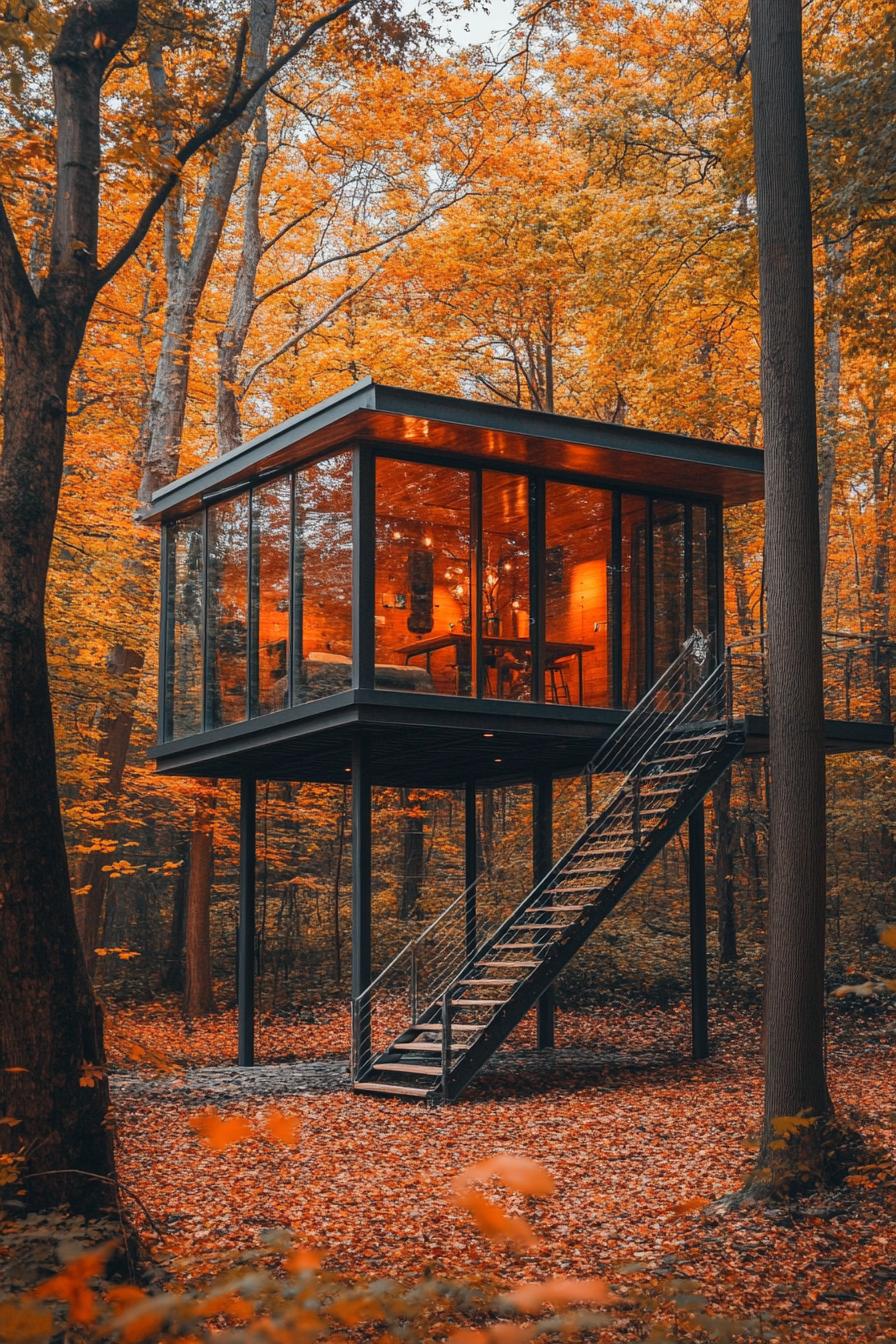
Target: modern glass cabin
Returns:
[504, 581]
[418, 590]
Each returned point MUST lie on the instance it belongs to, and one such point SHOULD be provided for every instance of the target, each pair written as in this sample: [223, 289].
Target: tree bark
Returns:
[412, 836]
[187, 273]
[795, 1079]
[836, 254]
[726, 836]
[51, 1038]
[198, 996]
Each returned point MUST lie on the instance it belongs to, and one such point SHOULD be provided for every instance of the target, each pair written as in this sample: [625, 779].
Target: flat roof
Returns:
[481, 431]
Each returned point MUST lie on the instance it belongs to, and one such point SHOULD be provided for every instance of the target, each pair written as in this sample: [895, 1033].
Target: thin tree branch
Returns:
[328, 312]
[227, 114]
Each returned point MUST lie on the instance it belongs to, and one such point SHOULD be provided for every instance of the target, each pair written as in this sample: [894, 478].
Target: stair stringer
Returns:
[530, 990]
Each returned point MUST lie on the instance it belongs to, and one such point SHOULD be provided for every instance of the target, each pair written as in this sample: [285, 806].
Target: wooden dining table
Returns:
[493, 645]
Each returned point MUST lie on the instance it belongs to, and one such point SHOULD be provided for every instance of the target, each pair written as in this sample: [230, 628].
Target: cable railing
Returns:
[856, 673]
[694, 696]
[423, 971]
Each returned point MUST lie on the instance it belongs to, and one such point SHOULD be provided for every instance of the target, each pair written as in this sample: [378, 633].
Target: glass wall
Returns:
[271, 546]
[506, 597]
[183, 635]
[259, 590]
[423, 578]
[227, 612]
[322, 579]
[635, 588]
[578, 661]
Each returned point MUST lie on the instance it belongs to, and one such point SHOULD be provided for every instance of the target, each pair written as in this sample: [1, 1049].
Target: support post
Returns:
[542, 861]
[471, 866]
[697, 891]
[246, 932]
[361, 887]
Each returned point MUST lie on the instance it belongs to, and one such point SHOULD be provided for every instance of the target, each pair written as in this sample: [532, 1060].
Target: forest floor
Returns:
[640, 1140]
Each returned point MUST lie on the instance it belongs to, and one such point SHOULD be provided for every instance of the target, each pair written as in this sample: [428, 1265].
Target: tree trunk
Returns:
[795, 1080]
[173, 974]
[726, 836]
[412, 836]
[187, 273]
[232, 339]
[198, 997]
[836, 254]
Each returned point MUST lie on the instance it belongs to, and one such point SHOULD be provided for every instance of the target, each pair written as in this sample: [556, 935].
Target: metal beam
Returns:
[246, 930]
[697, 892]
[471, 865]
[542, 862]
[361, 882]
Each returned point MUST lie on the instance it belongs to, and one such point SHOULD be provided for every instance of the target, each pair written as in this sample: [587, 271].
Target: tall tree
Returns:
[798, 1116]
[50, 1027]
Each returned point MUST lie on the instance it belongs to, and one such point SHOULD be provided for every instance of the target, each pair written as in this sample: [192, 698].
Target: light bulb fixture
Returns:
[396, 536]
[427, 541]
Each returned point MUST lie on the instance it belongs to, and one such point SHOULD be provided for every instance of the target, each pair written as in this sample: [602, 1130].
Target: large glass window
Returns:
[578, 623]
[634, 584]
[183, 672]
[322, 579]
[271, 523]
[423, 578]
[506, 591]
[227, 614]
[669, 630]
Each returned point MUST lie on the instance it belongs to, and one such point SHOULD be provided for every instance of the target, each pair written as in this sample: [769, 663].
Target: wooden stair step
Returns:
[392, 1089]
[490, 980]
[514, 947]
[433, 1069]
[455, 1026]
[481, 1003]
[566, 908]
[429, 1046]
[511, 963]
[554, 928]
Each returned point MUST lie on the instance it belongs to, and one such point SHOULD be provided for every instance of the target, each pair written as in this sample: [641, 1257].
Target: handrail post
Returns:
[446, 1041]
[355, 1041]
[413, 994]
[729, 687]
[636, 810]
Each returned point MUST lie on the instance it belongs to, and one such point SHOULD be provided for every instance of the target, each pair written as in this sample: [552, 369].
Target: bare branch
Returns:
[323, 317]
[226, 115]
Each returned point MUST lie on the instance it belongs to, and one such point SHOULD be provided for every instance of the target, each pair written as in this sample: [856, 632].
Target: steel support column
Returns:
[697, 892]
[246, 931]
[361, 884]
[471, 865]
[542, 861]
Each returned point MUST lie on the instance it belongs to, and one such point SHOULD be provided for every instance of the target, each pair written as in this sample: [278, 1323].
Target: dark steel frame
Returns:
[365, 455]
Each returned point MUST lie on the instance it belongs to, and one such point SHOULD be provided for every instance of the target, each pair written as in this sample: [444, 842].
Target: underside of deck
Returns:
[433, 742]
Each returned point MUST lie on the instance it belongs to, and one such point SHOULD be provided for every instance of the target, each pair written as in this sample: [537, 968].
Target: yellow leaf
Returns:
[888, 936]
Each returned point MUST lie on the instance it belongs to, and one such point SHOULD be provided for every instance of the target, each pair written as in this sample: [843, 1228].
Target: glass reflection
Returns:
[506, 593]
[322, 579]
[669, 630]
[183, 679]
[633, 564]
[228, 611]
[422, 587]
[578, 624]
[271, 523]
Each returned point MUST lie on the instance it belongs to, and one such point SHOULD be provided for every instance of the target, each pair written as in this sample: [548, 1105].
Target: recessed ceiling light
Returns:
[488, 734]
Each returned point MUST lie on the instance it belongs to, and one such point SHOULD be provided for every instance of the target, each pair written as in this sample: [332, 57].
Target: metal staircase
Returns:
[444, 1005]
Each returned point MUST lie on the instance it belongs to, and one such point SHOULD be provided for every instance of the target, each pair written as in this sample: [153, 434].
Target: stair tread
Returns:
[455, 1026]
[528, 962]
[392, 1089]
[490, 980]
[433, 1069]
[478, 1003]
[429, 1046]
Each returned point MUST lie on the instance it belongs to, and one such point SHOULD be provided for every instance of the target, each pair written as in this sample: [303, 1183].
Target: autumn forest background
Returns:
[560, 217]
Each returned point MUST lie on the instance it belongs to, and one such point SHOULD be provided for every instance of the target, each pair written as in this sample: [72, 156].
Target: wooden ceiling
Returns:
[480, 432]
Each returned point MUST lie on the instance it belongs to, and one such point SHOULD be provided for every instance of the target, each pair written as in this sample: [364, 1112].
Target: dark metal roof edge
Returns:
[217, 473]
[366, 395]
[492, 415]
